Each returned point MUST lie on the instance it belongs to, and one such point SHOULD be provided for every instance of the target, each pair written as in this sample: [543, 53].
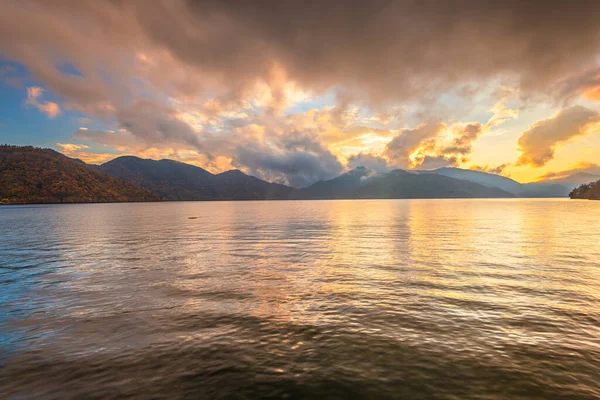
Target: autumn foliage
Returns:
[34, 175]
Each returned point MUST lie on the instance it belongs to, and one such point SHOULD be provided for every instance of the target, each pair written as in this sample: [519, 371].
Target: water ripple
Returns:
[445, 299]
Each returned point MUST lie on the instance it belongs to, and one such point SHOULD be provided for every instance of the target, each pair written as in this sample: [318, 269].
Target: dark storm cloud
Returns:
[297, 158]
[386, 50]
[392, 49]
[373, 162]
[158, 124]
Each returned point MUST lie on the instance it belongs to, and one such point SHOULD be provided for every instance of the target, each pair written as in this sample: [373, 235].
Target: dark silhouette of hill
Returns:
[589, 191]
[175, 180]
[343, 187]
[34, 175]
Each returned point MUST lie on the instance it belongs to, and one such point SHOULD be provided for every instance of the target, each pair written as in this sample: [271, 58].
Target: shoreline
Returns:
[324, 199]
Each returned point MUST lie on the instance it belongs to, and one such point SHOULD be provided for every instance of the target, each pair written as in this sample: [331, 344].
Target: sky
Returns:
[300, 91]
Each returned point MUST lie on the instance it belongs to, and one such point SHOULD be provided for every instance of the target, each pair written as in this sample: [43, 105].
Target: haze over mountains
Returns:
[131, 178]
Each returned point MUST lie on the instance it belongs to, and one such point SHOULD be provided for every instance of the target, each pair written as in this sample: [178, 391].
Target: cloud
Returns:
[379, 51]
[81, 152]
[428, 162]
[538, 143]
[116, 139]
[583, 167]
[288, 150]
[70, 147]
[411, 142]
[370, 161]
[435, 145]
[155, 123]
[298, 161]
[193, 77]
[497, 170]
[34, 94]
[463, 142]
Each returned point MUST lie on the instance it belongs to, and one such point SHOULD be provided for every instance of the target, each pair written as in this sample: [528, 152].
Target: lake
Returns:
[416, 299]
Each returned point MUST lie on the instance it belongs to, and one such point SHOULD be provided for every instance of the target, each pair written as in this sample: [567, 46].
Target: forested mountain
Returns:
[33, 175]
[175, 180]
[589, 191]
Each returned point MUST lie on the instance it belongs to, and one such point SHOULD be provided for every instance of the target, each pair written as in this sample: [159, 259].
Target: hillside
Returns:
[589, 191]
[175, 180]
[33, 175]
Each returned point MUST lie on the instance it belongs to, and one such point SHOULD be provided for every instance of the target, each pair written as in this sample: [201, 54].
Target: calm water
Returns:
[448, 299]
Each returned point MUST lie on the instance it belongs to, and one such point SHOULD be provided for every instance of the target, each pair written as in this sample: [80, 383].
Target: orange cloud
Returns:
[80, 152]
[34, 93]
[538, 143]
[592, 93]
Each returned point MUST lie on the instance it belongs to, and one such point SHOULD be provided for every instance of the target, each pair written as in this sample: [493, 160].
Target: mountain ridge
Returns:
[127, 178]
[174, 180]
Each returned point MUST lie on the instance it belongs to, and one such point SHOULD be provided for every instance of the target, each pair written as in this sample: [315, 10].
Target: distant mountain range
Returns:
[31, 175]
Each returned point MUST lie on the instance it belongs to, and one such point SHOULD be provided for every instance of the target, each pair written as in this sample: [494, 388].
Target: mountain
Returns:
[482, 178]
[589, 191]
[175, 180]
[576, 179]
[33, 175]
[236, 185]
[169, 179]
[343, 187]
[543, 189]
[561, 186]
[42, 175]
[536, 189]
[399, 184]
[362, 183]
